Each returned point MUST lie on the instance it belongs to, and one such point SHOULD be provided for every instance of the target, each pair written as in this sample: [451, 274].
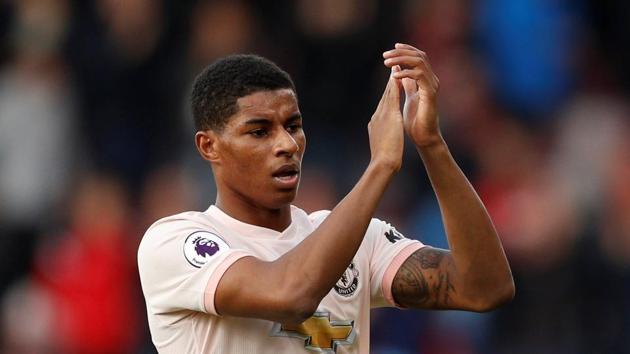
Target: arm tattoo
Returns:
[423, 280]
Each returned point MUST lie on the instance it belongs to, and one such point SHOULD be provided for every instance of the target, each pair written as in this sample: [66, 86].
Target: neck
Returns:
[248, 212]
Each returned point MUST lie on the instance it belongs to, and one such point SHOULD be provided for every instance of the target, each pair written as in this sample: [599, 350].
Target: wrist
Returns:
[430, 140]
[434, 145]
[383, 166]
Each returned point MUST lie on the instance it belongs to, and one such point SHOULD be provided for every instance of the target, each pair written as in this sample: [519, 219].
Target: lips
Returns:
[287, 175]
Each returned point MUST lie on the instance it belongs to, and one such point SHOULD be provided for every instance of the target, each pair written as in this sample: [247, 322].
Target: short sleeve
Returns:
[388, 249]
[179, 262]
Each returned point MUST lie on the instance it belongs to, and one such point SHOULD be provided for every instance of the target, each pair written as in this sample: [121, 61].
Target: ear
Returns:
[207, 143]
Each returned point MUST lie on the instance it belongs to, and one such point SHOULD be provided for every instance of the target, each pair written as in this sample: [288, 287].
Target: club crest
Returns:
[349, 281]
[393, 235]
[201, 246]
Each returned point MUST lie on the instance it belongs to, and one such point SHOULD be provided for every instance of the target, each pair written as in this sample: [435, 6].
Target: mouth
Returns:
[287, 175]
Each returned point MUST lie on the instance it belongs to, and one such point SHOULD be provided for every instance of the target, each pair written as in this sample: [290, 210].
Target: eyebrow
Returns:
[255, 121]
[266, 121]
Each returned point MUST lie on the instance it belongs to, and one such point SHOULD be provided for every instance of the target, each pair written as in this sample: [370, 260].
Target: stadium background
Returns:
[96, 143]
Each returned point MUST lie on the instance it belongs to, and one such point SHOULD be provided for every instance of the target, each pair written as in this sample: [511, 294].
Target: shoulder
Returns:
[380, 227]
[317, 217]
[169, 234]
[376, 225]
[173, 224]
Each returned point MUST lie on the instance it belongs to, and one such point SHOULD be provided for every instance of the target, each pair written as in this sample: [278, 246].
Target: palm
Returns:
[419, 115]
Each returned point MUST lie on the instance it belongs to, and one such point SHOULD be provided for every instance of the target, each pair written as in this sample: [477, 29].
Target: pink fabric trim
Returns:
[392, 269]
[216, 276]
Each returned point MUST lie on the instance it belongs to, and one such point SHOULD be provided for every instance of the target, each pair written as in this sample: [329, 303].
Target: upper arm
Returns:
[427, 280]
[387, 251]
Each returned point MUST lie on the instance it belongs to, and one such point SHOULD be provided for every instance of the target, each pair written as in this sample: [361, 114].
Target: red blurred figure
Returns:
[89, 273]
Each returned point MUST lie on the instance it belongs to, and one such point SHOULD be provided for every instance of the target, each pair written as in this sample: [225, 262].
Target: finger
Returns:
[404, 52]
[424, 78]
[426, 81]
[386, 91]
[395, 70]
[405, 46]
[416, 74]
[393, 96]
[407, 61]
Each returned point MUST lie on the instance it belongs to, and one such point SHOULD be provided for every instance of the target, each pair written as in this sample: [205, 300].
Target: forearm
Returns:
[480, 265]
[324, 255]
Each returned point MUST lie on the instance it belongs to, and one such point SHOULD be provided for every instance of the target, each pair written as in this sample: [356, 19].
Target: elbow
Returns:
[494, 298]
[294, 297]
[298, 309]
[300, 305]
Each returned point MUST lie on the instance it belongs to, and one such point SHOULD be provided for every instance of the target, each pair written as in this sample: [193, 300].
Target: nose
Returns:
[286, 144]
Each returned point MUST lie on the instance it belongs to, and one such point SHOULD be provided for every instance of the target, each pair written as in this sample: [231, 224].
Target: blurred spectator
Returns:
[89, 272]
[529, 48]
[167, 191]
[126, 60]
[220, 28]
[438, 26]
[571, 297]
[334, 18]
[27, 320]
[585, 147]
[531, 209]
[37, 130]
[615, 213]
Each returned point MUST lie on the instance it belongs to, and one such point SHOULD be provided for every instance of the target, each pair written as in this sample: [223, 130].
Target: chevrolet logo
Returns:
[319, 333]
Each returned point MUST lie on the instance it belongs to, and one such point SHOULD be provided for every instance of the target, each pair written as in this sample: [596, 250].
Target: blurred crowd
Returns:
[96, 144]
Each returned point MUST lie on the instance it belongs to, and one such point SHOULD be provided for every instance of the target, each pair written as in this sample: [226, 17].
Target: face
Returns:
[259, 151]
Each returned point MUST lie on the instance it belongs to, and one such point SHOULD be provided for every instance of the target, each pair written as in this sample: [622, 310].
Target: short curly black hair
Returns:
[217, 88]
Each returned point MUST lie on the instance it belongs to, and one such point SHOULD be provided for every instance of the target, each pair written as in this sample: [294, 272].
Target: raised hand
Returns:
[421, 87]
[386, 126]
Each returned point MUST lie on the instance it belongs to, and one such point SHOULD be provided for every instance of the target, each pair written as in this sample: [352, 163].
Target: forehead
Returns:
[269, 104]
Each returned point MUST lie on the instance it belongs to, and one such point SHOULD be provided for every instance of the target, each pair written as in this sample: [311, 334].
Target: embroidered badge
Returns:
[349, 281]
[200, 246]
[393, 235]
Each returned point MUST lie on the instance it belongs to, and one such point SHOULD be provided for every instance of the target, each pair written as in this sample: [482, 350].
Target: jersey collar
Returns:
[250, 230]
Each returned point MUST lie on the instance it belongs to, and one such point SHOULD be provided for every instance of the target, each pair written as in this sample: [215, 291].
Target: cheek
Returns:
[245, 163]
[300, 139]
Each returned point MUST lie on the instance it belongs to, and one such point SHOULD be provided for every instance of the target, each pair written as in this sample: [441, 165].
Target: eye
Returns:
[292, 128]
[258, 133]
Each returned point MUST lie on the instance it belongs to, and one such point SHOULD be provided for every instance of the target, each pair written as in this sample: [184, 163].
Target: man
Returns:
[254, 274]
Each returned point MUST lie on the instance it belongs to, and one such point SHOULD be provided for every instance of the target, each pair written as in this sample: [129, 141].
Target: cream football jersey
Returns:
[182, 257]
